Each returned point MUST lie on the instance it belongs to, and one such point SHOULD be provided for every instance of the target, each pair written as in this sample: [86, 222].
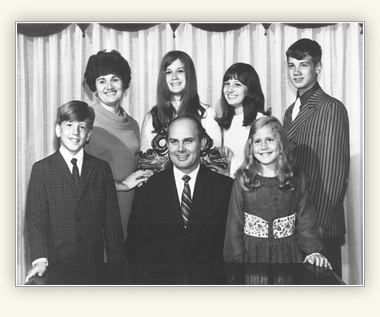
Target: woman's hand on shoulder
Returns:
[137, 178]
[227, 154]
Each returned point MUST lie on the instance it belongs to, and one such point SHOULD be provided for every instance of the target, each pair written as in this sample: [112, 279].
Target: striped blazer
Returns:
[319, 141]
[70, 225]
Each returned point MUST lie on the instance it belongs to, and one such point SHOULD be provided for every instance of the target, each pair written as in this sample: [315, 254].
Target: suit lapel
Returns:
[199, 198]
[171, 197]
[88, 168]
[61, 165]
[304, 115]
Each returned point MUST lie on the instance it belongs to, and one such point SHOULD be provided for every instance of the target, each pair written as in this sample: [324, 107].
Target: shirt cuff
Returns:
[40, 260]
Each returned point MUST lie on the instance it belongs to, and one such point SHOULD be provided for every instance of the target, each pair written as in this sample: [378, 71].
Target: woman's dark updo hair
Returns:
[104, 63]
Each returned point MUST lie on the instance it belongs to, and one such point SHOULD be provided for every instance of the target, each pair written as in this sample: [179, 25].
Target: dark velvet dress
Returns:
[279, 242]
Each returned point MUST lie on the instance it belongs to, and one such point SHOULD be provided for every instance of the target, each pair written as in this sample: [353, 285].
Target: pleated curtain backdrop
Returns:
[50, 72]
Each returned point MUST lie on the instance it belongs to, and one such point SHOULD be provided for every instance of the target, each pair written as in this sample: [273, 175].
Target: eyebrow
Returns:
[185, 139]
[103, 76]
[167, 68]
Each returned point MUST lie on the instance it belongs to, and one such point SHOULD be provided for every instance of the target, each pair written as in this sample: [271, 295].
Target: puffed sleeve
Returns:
[212, 127]
[307, 230]
[147, 134]
[234, 250]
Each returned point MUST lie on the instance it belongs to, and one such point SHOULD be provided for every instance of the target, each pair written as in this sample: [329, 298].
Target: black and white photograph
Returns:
[190, 153]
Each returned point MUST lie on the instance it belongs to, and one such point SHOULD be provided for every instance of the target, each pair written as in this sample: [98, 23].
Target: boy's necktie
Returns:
[75, 172]
[186, 200]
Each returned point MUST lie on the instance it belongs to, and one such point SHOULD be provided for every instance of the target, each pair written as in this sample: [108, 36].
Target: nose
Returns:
[296, 70]
[229, 88]
[108, 85]
[76, 130]
[264, 145]
[181, 148]
[174, 75]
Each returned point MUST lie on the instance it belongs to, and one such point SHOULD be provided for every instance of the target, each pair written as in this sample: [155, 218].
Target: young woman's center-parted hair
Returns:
[163, 112]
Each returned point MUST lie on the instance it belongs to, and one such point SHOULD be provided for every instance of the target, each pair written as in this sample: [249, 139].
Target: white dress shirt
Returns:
[178, 174]
[69, 156]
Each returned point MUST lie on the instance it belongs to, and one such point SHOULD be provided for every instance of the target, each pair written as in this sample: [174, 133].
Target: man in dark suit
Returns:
[172, 222]
[72, 209]
[317, 127]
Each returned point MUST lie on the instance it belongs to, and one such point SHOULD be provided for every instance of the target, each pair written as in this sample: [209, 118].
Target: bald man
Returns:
[179, 215]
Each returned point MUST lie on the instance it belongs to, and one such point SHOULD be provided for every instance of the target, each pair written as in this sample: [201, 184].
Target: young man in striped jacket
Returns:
[318, 131]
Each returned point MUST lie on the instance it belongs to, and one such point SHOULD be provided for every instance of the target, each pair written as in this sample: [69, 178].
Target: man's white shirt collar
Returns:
[178, 174]
[67, 156]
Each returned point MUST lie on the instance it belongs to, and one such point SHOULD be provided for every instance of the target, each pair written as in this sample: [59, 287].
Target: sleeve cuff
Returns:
[40, 260]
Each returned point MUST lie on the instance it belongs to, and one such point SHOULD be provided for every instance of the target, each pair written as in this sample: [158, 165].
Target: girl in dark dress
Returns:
[271, 217]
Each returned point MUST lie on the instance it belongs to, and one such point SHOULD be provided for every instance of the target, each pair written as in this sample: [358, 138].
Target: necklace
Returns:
[274, 174]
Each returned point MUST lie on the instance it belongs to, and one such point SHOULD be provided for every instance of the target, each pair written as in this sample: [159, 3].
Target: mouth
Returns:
[110, 93]
[298, 80]
[74, 140]
[176, 84]
[266, 154]
[182, 157]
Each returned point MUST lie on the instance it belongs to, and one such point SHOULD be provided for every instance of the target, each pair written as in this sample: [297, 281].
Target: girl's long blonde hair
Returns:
[286, 169]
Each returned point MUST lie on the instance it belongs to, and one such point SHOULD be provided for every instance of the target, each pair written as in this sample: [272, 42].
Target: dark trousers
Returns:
[334, 253]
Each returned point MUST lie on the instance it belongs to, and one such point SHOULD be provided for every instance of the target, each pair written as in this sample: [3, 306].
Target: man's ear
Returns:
[58, 130]
[203, 144]
[318, 67]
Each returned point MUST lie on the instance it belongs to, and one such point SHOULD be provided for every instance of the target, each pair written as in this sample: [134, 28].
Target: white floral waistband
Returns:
[258, 227]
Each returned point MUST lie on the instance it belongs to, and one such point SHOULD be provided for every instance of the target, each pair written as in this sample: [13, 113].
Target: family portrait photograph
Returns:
[178, 160]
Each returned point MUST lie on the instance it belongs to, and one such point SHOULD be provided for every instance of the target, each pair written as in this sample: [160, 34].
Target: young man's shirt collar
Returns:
[305, 97]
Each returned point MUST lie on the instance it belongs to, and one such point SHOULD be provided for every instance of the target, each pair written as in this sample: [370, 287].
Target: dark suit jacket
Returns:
[69, 225]
[319, 139]
[155, 230]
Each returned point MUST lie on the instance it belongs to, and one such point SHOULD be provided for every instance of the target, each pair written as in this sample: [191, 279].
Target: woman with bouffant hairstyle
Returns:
[115, 137]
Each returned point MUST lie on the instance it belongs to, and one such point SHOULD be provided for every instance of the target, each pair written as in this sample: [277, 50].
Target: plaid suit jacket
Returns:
[319, 140]
[70, 225]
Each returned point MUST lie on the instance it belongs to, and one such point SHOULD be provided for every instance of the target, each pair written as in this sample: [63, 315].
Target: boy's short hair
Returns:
[303, 47]
[76, 110]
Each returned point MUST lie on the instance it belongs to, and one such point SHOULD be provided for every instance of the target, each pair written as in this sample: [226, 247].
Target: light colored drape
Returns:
[50, 72]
